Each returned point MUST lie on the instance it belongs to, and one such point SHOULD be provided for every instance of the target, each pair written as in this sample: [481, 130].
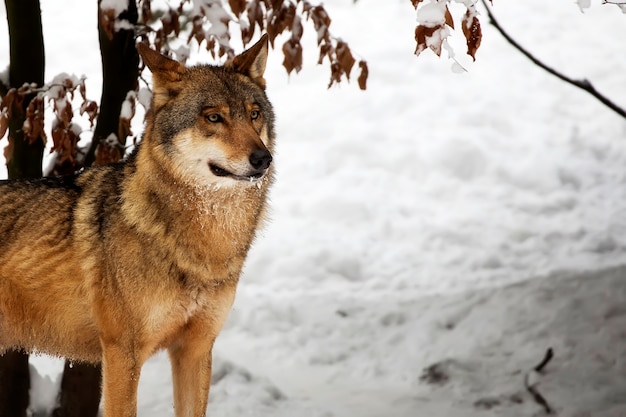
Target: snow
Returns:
[118, 6]
[432, 13]
[430, 238]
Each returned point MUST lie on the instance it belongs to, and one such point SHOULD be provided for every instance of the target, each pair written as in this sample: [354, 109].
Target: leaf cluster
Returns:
[57, 95]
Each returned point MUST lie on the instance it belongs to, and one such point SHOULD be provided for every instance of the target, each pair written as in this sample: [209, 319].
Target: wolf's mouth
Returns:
[221, 172]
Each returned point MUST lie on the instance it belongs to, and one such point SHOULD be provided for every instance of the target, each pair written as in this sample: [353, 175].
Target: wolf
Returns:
[117, 262]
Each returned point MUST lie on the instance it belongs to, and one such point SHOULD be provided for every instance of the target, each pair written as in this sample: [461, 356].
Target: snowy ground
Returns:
[432, 237]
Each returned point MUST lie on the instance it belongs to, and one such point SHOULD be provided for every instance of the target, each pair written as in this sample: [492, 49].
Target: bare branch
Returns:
[582, 84]
[546, 359]
[531, 383]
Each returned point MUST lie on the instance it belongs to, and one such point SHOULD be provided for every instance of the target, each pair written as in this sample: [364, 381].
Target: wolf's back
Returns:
[42, 281]
[40, 213]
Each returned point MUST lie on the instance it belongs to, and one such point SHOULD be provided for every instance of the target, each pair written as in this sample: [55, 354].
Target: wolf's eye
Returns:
[254, 114]
[214, 118]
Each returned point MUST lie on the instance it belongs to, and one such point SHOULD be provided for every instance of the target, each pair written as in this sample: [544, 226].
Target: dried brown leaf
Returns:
[8, 150]
[281, 19]
[306, 7]
[296, 28]
[472, 32]
[64, 143]
[107, 21]
[171, 22]
[255, 16]
[326, 50]
[345, 58]
[237, 6]
[292, 50]
[107, 152]
[4, 123]
[422, 37]
[34, 123]
[335, 73]
[91, 108]
[197, 31]
[8, 101]
[146, 11]
[321, 22]
[449, 20]
[362, 80]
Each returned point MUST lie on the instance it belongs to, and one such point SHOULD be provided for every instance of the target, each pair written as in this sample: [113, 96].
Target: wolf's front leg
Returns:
[191, 358]
[120, 377]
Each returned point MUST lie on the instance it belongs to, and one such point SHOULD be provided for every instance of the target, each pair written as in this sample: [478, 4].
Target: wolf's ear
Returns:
[252, 62]
[166, 74]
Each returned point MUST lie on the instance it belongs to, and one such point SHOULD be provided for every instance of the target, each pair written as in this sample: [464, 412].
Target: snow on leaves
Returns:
[435, 21]
[286, 16]
[472, 32]
[59, 93]
[207, 23]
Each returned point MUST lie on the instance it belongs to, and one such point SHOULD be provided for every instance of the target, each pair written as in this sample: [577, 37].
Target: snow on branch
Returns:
[59, 93]
[585, 4]
[435, 21]
[173, 29]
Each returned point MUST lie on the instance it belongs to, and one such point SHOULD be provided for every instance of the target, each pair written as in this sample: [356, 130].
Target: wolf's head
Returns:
[212, 125]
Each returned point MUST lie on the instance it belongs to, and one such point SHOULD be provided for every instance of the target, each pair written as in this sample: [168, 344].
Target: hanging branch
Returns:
[582, 84]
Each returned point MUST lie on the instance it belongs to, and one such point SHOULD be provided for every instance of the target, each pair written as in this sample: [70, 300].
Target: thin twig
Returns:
[546, 359]
[582, 84]
[539, 399]
[531, 387]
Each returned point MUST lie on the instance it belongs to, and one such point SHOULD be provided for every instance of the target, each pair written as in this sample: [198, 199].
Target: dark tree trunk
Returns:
[80, 391]
[27, 66]
[14, 384]
[120, 71]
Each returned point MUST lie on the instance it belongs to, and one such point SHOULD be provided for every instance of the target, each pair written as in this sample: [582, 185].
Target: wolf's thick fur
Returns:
[120, 261]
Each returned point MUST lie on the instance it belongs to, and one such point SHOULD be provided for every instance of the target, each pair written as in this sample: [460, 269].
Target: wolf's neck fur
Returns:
[199, 222]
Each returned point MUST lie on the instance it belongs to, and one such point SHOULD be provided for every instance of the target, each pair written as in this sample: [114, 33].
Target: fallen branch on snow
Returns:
[531, 380]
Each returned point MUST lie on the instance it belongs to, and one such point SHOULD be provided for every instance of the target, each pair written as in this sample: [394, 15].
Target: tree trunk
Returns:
[24, 161]
[120, 71]
[14, 384]
[80, 391]
[27, 66]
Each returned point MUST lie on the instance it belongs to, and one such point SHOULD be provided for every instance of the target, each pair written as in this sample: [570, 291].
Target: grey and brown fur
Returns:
[121, 261]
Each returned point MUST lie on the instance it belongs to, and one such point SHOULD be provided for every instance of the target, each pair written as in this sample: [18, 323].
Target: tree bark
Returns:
[27, 64]
[120, 71]
[14, 384]
[80, 391]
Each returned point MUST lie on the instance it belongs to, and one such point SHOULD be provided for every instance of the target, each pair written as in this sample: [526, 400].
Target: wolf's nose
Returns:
[260, 159]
